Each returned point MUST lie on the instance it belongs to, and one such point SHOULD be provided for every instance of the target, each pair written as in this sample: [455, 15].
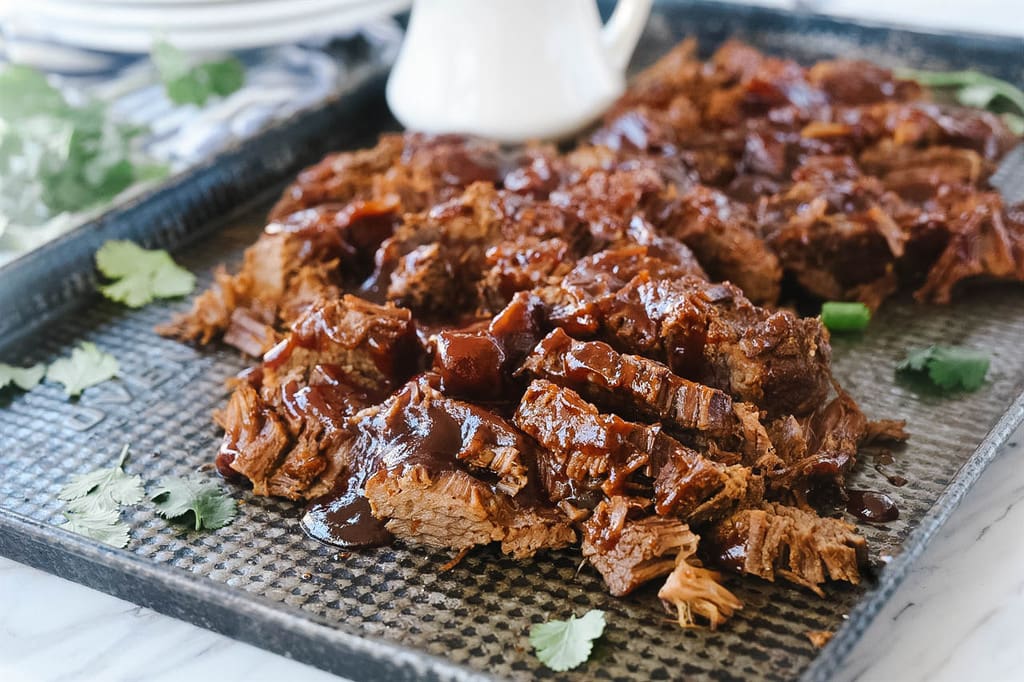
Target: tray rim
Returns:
[824, 666]
[307, 636]
[42, 546]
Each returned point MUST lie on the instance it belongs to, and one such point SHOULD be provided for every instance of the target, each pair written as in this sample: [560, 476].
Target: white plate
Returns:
[153, 17]
[172, 4]
[240, 35]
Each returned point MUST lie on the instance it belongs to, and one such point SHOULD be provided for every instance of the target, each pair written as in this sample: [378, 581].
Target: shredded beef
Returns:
[790, 543]
[552, 345]
[298, 260]
[630, 552]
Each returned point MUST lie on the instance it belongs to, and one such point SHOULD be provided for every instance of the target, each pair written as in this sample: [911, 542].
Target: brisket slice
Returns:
[449, 474]
[586, 454]
[818, 451]
[479, 363]
[713, 334]
[724, 238]
[982, 239]
[640, 386]
[299, 259]
[580, 301]
[710, 333]
[718, 232]
[787, 542]
[295, 447]
[435, 261]
[373, 345]
[834, 231]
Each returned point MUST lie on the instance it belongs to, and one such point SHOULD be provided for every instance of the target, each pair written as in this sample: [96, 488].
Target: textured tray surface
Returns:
[477, 614]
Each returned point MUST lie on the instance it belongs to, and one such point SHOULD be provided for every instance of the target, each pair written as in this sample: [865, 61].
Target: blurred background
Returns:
[103, 99]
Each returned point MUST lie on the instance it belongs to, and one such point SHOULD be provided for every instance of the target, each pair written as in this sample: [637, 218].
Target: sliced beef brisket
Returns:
[586, 454]
[446, 473]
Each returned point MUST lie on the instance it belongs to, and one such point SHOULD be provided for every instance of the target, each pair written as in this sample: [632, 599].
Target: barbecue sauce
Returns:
[342, 517]
[873, 507]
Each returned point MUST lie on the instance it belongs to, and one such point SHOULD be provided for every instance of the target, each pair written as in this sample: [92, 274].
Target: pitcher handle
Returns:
[622, 32]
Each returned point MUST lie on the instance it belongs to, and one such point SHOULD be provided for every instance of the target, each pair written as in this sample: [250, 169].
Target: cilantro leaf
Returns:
[225, 76]
[844, 317]
[188, 83]
[93, 502]
[948, 367]
[55, 157]
[100, 524]
[86, 367]
[25, 378]
[142, 274]
[975, 89]
[111, 484]
[29, 92]
[564, 644]
[210, 507]
[916, 359]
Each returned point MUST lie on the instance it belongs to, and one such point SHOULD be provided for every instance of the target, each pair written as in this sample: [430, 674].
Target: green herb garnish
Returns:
[975, 89]
[948, 367]
[845, 317]
[187, 82]
[25, 378]
[102, 525]
[564, 644]
[200, 501]
[94, 500]
[55, 157]
[87, 366]
[141, 274]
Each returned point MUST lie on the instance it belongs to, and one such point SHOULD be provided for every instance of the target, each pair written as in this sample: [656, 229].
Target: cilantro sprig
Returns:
[94, 501]
[87, 366]
[974, 89]
[841, 316]
[25, 378]
[565, 644]
[195, 500]
[56, 157]
[948, 367]
[187, 82]
[141, 275]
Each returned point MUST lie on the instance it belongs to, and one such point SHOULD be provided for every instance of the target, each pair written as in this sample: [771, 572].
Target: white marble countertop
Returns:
[958, 616]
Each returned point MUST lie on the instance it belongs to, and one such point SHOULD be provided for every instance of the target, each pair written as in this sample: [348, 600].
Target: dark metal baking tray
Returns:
[391, 613]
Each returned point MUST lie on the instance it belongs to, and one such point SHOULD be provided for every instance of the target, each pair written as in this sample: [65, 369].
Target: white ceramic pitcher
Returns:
[512, 70]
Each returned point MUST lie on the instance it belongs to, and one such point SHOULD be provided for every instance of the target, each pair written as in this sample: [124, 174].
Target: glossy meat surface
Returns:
[462, 344]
